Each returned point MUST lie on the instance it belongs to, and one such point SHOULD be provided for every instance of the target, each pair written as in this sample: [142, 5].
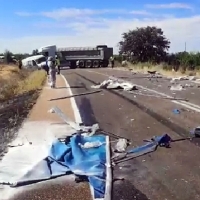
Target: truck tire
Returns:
[96, 64]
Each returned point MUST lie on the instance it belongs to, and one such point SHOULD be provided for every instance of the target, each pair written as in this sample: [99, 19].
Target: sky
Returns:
[29, 24]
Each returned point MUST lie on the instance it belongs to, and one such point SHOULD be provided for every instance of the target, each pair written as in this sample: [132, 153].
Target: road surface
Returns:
[168, 173]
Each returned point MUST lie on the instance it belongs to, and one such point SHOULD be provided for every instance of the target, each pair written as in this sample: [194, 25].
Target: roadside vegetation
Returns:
[147, 49]
[18, 93]
[15, 82]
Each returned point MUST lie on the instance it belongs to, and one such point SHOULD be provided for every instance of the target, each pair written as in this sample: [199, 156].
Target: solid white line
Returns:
[189, 105]
[77, 115]
[78, 119]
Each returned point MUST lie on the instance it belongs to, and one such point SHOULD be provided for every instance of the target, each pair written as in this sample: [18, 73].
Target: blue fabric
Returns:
[151, 145]
[176, 111]
[71, 157]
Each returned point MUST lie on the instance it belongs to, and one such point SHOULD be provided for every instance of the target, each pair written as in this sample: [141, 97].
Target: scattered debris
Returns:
[121, 145]
[176, 87]
[176, 111]
[51, 110]
[74, 95]
[150, 146]
[196, 131]
[115, 84]
[88, 145]
[18, 145]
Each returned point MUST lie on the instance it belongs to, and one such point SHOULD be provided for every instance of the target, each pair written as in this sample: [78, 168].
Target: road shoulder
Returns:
[36, 133]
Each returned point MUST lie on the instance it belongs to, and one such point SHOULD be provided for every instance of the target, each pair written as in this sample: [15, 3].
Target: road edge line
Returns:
[78, 119]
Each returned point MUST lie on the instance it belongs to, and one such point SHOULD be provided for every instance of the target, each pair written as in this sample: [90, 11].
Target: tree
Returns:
[144, 44]
[8, 57]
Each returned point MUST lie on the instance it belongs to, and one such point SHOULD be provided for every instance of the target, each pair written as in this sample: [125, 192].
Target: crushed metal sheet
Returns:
[176, 87]
[115, 84]
[86, 130]
[183, 78]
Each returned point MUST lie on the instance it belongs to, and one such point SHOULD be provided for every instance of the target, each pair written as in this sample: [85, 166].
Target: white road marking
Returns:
[78, 119]
[185, 104]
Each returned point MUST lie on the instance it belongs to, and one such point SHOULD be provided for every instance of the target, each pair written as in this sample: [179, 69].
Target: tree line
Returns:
[9, 57]
[150, 45]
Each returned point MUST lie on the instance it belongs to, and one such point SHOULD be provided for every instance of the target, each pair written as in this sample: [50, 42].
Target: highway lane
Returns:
[165, 174]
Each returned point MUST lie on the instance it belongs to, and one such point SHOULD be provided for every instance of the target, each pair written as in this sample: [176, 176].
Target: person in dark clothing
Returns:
[46, 68]
[20, 64]
[112, 60]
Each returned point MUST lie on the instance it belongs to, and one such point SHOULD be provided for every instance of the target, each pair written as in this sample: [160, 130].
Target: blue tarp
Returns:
[71, 157]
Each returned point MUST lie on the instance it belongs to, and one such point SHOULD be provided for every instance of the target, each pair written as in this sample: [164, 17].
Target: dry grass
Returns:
[18, 92]
[15, 82]
[161, 69]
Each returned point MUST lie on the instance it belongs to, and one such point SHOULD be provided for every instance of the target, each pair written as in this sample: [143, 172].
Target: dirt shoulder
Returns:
[39, 115]
[18, 93]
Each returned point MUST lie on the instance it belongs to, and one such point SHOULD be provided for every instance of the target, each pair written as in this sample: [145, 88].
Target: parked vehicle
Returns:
[81, 57]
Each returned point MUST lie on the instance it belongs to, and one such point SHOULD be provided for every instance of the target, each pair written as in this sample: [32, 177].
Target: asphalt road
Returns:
[168, 173]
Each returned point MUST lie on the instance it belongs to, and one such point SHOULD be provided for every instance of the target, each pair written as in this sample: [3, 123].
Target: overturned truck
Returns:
[83, 57]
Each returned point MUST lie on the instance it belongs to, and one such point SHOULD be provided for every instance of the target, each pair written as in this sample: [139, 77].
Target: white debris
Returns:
[115, 84]
[121, 145]
[88, 145]
[90, 130]
[176, 87]
[188, 85]
[192, 78]
[51, 110]
[183, 78]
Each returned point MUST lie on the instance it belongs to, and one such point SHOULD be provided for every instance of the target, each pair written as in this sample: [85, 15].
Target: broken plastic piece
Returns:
[176, 88]
[121, 145]
[51, 110]
[196, 131]
[88, 145]
[176, 111]
[114, 83]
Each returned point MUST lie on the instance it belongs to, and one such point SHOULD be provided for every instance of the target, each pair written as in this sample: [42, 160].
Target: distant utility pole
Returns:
[185, 46]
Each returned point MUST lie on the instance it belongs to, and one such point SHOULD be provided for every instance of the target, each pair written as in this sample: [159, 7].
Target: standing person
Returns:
[20, 64]
[112, 61]
[47, 67]
[52, 71]
[58, 64]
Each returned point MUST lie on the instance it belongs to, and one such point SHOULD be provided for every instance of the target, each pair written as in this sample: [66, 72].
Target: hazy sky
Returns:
[28, 24]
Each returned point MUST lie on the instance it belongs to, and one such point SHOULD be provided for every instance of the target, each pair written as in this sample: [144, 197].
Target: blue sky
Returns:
[28, 24]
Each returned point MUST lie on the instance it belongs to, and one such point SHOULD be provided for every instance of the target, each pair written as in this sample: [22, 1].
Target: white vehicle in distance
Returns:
[34, 62]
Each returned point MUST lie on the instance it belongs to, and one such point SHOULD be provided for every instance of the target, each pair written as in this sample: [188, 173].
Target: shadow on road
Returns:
[86, 112]
[126, 190]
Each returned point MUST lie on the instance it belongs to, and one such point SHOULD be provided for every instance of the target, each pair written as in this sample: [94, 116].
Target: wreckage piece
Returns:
[85, 130]
[176, 87]
[183, 78]
[196, 132]
[116, 84]
[74, 95]
[66, 119]
[121, 145]
[150, 146]
[64, 159]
